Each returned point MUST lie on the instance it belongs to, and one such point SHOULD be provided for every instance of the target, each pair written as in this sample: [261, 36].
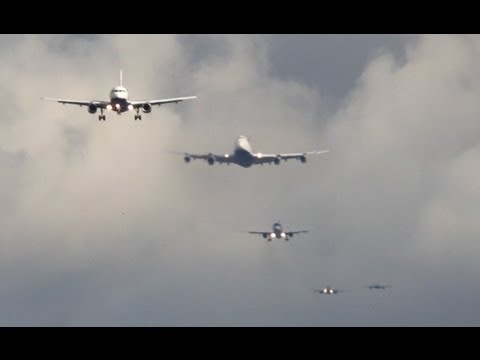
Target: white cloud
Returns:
[103, 214]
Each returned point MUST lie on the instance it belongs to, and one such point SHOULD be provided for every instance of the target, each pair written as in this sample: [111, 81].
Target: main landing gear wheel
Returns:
[101, 117]
[138, 116]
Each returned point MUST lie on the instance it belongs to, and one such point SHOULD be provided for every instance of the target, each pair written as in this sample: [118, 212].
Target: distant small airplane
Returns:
[244, 156]
[120, 103]
[329, 291]
[277, 232]
[377, 286]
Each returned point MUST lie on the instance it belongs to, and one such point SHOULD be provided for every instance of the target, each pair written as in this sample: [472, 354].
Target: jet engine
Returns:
[92, 108]
[276, 161]
[211, 160]
[187, 159]
[146, 108]
[303, 159]
[264, 236]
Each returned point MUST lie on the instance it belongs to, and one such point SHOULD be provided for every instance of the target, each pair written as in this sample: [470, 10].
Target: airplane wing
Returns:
[138, 104]
[263, 233]
[272, 158]
[98, 103]
[210, 158]
[291, 233]
[299, 156]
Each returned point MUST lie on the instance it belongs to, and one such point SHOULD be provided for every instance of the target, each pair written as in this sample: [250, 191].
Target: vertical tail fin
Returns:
[121, 77]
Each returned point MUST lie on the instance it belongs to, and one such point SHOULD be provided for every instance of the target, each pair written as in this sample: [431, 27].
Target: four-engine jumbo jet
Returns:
[244, 156]
[119, 102]
[328, 291]
[277, 233]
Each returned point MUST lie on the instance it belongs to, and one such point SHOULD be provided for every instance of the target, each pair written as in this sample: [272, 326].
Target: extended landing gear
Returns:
[101, 117]
[138, 116]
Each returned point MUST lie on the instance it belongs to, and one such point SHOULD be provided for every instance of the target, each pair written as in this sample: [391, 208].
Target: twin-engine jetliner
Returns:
[277, 233]
[119, 102]
[328, 291]
[244, 156]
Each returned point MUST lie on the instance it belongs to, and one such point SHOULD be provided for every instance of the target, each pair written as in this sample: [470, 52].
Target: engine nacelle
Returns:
[303, 159]
[187, 159]
[264, 236]
[211, 160]
[276, 161]
[146, 108]
[92, 108]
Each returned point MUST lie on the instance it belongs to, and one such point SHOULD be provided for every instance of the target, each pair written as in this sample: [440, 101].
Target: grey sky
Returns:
[102, 225]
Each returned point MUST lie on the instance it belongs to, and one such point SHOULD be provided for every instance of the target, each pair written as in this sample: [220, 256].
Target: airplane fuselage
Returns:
[329, 291]
[277, 232]
[119, 100]
[243, 158]
[242, 153]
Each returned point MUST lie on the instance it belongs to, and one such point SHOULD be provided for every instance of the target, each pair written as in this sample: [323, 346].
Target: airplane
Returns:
[377, 286]
[329, 291]
[277, 233]
[119, 102]
[244, 156]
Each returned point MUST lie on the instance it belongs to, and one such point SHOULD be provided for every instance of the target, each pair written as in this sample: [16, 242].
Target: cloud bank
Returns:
[103, 225]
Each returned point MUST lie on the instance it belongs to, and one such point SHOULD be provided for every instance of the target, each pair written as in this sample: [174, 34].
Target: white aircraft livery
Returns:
[277, 232]
[119, 103]
[244, 156]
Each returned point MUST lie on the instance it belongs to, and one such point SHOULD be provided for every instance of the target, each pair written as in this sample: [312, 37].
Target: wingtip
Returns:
[320, 151]
[176, 152]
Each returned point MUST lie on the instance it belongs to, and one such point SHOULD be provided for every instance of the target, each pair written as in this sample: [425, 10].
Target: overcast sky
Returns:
[101, 224]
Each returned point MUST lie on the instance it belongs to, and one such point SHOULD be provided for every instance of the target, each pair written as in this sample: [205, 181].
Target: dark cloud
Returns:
[329, 63]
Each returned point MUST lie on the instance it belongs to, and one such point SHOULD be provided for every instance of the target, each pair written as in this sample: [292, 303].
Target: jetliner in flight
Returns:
[119, 102]
[329, 291]
[244, 156]
[277, 232]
